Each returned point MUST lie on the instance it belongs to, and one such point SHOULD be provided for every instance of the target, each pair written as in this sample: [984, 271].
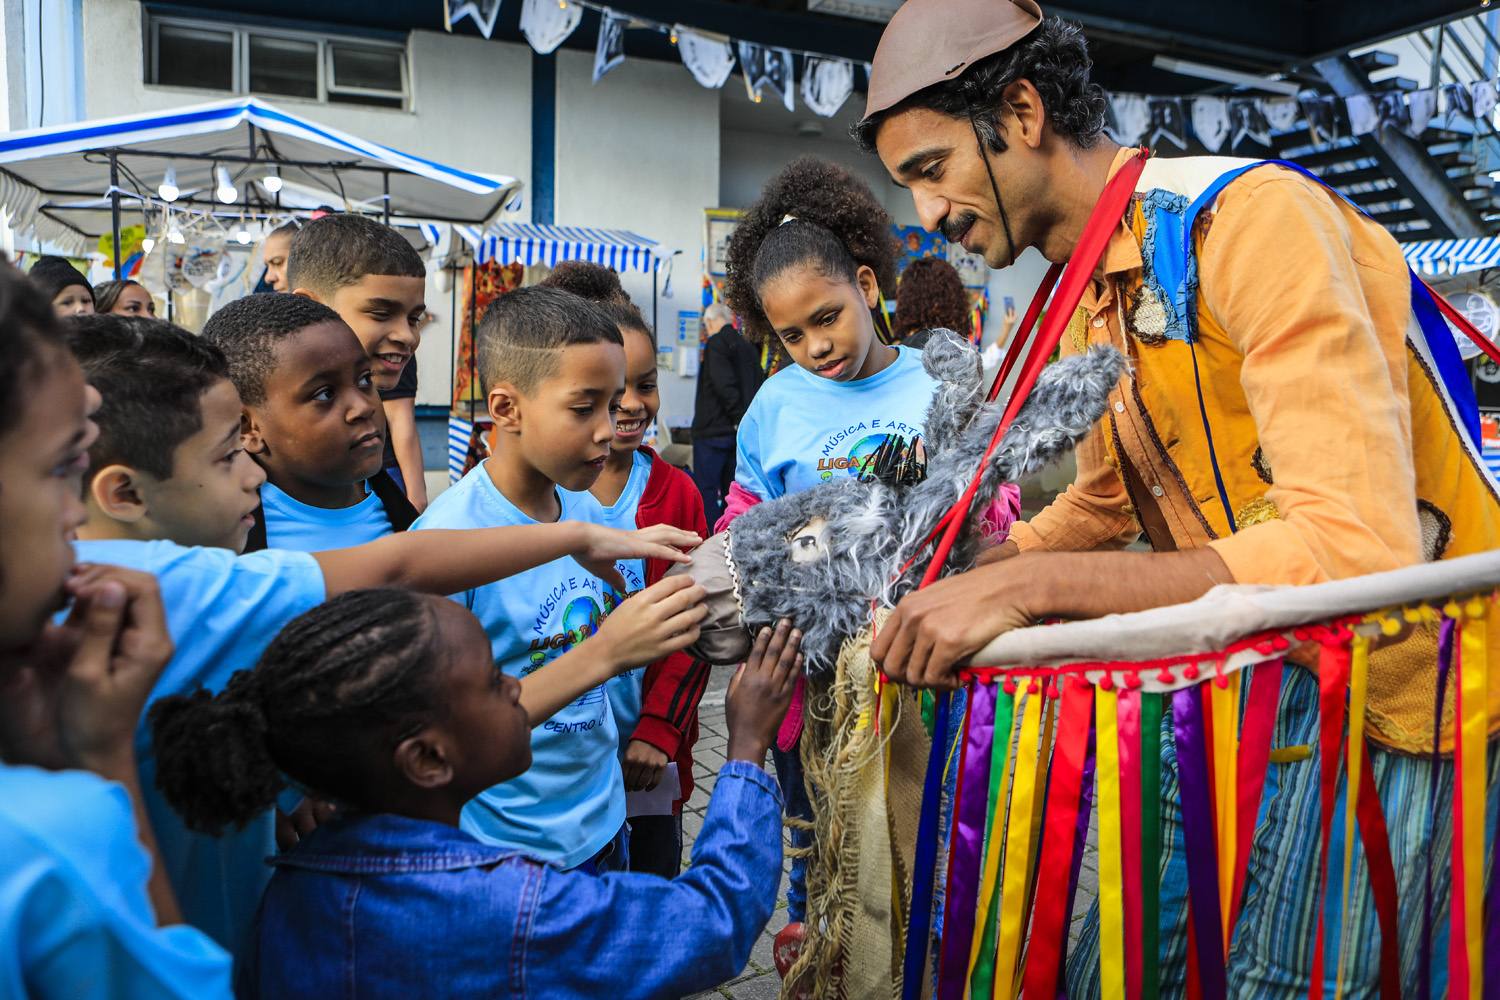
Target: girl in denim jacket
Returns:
[389, 703]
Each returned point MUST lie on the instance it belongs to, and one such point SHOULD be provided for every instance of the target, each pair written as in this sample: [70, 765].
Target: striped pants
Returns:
[1270, 957]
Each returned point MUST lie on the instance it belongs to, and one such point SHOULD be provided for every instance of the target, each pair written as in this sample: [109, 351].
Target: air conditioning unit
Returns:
[879, 11]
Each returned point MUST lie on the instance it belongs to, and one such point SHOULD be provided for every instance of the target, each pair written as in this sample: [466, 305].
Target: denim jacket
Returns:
[385, 906]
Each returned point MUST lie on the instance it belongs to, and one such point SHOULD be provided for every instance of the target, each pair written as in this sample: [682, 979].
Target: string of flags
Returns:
[1217, 121]
[827, 81]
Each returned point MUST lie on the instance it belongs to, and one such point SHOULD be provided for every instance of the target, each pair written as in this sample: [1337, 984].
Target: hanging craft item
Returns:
[710, 58]
[1485, 98]
[1248, 121]
[609, 51]
[481, 12]
[1392, 110]
[767, 67]
[1364, 116]
[548, 23]
[1421, 106]
[826, 84]
[1321, 118]
[1211, 121]
[1166, 122]
[1281, 113]
[1129, 118]
[1459, 99]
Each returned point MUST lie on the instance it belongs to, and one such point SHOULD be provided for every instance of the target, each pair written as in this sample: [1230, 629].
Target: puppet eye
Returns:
[810, 543]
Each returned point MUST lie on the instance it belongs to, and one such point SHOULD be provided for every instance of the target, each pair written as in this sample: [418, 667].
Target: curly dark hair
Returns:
[363, 664]
[837, 226]
[932, 296]
[28, 328]
[1054, 57]
[601, 285]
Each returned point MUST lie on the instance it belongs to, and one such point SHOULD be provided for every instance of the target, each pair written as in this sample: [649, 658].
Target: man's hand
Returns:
[761, 692]
[644, 766]
[606, 546]
[997, 553]
[934, 629]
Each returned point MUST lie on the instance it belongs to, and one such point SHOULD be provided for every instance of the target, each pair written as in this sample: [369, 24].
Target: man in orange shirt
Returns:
[1285, 421]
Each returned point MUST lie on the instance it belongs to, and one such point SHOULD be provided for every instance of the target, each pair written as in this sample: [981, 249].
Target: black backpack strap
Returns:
[398, 509]
[256, 540]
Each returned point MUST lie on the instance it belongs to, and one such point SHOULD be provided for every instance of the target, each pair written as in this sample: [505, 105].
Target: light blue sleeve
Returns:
[716, 909]
[75, 918]
[749, 465]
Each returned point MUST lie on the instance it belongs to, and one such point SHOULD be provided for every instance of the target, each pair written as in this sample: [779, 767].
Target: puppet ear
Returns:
[953, 361]
[1068, 399]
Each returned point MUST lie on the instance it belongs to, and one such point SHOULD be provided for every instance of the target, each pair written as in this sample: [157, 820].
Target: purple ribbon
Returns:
[1424, 949]
[964, 863]
[1199, 844]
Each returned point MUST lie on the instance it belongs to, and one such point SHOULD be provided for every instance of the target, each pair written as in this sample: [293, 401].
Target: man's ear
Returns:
[424, 760]
[504, 402]
[251, 437]
[868, 285]
[1024, 105]
[116, 492]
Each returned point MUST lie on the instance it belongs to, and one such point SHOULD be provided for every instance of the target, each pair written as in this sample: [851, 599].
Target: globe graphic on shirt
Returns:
[863, 452]
[580, 620]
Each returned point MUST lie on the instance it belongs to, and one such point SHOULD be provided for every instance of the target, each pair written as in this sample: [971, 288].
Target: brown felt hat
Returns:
[929, 41]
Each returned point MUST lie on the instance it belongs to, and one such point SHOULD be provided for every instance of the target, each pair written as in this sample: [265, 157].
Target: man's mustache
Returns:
[952, 229]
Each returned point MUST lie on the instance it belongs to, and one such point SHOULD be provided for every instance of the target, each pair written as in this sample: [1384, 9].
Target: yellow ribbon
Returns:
[1359, 669]
[1473, 677]
[1224, 702]
[1111, 874]
[1017, 858]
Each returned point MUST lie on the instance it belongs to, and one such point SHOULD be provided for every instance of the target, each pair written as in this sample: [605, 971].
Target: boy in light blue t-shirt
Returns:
[176, 502]
[312, 420]
[553, 370]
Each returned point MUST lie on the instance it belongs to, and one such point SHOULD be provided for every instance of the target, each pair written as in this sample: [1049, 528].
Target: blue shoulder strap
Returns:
[1440, 342]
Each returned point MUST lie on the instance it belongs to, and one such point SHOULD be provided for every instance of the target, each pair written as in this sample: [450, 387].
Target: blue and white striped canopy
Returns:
[58, 177]
[511, 242]
[1456, 255]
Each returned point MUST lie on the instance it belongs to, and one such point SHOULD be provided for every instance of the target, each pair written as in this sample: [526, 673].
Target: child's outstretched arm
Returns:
[448, 562]
[659, 620]
[672, 938]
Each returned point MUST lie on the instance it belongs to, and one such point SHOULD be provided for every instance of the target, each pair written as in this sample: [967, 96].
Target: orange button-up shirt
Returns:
[1316, 298]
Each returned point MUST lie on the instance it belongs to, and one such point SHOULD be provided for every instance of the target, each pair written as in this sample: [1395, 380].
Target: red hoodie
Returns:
[673, 686]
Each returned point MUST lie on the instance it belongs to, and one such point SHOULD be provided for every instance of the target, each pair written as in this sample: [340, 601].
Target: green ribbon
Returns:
[1151, 713]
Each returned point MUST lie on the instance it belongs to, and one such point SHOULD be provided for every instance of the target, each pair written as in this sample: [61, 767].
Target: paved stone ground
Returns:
[758, 980]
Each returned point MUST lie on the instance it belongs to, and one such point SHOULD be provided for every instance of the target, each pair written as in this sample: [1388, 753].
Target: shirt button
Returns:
[1098, 322]
[1156, 491]
[1119, 407]
[1129, 509]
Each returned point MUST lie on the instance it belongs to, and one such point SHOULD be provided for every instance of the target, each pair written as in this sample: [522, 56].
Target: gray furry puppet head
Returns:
[826, 556]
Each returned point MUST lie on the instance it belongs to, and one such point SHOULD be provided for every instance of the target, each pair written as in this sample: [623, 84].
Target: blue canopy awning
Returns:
[1456, 256]
[511, 242]
[58, 178]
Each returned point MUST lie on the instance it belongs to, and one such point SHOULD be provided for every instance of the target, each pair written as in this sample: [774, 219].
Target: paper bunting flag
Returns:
[826, 84]
[1211, 121]
[1281, 113]
[1167, 122]
[481, 12]
[767, 67]
[1421, 105]
[1248, 121]
[548, 23]
[710, 58]
[1321, 119]
[1129, 118]
[1363, 116]
[609, 51]
[1485, 98]
[1392, 110]
[1459, 101]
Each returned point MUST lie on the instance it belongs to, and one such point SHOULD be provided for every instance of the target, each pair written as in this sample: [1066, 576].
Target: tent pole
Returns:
[385, 206]
[114, 213]
[655, 306]
[473, 346]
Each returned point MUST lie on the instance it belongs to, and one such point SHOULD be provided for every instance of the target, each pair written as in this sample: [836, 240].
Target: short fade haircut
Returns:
[151, 375]
[1054, 57]
[337, 251]
[521, 337]
[250, 329]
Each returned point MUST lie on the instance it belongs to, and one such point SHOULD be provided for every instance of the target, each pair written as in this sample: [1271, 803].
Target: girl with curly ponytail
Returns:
[390, 703]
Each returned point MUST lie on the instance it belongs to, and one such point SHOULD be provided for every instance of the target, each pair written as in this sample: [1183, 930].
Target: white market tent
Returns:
[71, 184]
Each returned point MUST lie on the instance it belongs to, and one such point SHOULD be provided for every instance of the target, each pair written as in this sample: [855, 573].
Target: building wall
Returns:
[640, 152]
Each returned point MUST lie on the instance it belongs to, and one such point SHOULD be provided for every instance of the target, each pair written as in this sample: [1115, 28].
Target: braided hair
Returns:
[331, 683]
[836, 226]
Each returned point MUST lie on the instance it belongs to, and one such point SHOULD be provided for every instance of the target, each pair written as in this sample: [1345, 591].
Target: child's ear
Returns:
[116, 491]
[307, 293]
[504, 406]
[250, 434]
[424, 761]
[868, 285]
